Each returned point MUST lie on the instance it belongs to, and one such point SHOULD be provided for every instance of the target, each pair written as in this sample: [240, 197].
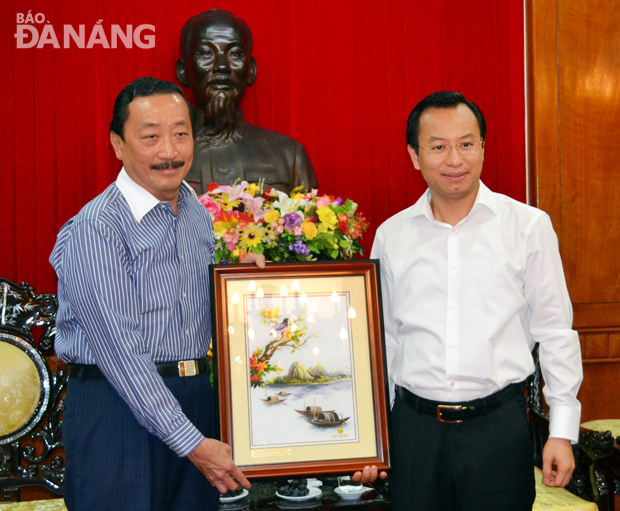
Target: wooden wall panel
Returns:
[542, 109]
[589, 102]
[573, 115]
[599, 398]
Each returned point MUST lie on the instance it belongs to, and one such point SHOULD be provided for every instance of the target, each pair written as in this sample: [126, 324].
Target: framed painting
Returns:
[300, 367]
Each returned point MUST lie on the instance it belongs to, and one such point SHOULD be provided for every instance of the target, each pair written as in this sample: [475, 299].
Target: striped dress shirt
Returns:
[133, 290]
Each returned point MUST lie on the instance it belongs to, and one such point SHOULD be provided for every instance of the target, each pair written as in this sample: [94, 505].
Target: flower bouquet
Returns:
[302, 226]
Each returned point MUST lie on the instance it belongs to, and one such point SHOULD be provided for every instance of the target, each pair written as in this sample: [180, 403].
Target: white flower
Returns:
[286, 205]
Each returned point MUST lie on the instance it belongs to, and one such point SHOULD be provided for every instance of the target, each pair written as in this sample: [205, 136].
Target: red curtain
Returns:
[340, 76]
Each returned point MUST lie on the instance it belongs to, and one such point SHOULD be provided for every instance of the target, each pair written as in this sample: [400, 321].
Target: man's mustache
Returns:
[167, 164]
[221, 79]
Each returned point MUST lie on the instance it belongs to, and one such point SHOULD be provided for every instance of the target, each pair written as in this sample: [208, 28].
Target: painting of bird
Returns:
[279, 328]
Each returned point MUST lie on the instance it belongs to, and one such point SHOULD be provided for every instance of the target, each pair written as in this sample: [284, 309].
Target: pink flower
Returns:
[231, 239]
[256, 206]
[212, 207]
[236, 192]
[298, 231]
[323, 201]
[279, 229]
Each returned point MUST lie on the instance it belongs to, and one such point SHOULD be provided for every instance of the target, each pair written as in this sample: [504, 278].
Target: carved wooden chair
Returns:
[591, 477]
[31, 402]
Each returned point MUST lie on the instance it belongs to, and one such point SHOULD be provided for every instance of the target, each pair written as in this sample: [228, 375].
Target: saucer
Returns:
[228, 500]
[351, 495]
[313, 492]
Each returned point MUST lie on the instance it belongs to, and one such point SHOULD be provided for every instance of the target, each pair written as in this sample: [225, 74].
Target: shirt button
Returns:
[453, 229]
[186, 332]
[162, 206]
[452, 345]
[453, 305]
[454, 266]
[181, 256]
[184, 295]
[452, 384]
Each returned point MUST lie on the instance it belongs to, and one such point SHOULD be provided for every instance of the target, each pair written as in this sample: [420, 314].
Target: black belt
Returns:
[165, 369]
[455, 413]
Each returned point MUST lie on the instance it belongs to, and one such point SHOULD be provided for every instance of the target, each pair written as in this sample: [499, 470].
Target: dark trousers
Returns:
[113, 463]
[482, 464]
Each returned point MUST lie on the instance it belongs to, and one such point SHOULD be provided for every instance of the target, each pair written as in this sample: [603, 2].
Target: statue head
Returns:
[217, 65]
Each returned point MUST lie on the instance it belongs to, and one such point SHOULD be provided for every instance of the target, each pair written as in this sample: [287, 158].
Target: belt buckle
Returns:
[440, 409]
[188, 368]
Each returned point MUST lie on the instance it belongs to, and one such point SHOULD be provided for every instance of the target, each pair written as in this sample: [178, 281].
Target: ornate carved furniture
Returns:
[591, 477]
[31, 402]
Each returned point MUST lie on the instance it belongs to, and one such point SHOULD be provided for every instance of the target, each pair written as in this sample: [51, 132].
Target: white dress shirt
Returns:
[463, 306]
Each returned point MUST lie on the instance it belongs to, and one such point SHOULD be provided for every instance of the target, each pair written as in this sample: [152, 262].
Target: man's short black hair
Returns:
[142, 87]
[442, 99]
[193, 24]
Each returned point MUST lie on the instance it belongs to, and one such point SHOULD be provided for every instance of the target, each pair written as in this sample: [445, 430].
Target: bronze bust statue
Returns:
[217, 65]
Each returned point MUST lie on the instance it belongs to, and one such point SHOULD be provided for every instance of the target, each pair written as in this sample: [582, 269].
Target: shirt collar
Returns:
[141, 201]
[422, 207]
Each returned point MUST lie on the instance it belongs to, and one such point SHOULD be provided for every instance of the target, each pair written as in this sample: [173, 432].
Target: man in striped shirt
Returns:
[134, 318]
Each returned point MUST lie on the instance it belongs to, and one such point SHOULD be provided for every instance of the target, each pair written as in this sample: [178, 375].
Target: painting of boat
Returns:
[326, 419]
[283, 393]
[312, 411]
[273, 400]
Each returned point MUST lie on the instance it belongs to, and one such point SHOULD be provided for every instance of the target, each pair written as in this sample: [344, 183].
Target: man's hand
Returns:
[368, 475]
[251, 257]
[213, 459]
[558, 462]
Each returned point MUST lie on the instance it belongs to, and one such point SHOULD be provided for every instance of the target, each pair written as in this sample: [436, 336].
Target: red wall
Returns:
[339, 76]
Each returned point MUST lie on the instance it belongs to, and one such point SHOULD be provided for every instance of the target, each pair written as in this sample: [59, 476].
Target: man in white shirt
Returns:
[471, 280]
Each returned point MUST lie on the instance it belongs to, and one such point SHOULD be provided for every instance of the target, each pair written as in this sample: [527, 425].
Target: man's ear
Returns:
[182, 77]
[116, 142]
[414, 157]
[252, 73]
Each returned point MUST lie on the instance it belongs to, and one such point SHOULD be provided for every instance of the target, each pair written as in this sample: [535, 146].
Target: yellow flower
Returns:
[310, 230]
[299, 196]
[271, 313]
[235, 253]
[323, 228]
[223, 227]
[252, 189]
[327, 217]
[272, 216]
[251, 236]
[227, 206]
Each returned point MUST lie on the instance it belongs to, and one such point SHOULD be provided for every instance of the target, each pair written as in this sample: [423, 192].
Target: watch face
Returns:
[24, 387]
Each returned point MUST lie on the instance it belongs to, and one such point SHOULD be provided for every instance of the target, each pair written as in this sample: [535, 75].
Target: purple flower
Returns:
[292, 220]
[300, 248]
[338, 202]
